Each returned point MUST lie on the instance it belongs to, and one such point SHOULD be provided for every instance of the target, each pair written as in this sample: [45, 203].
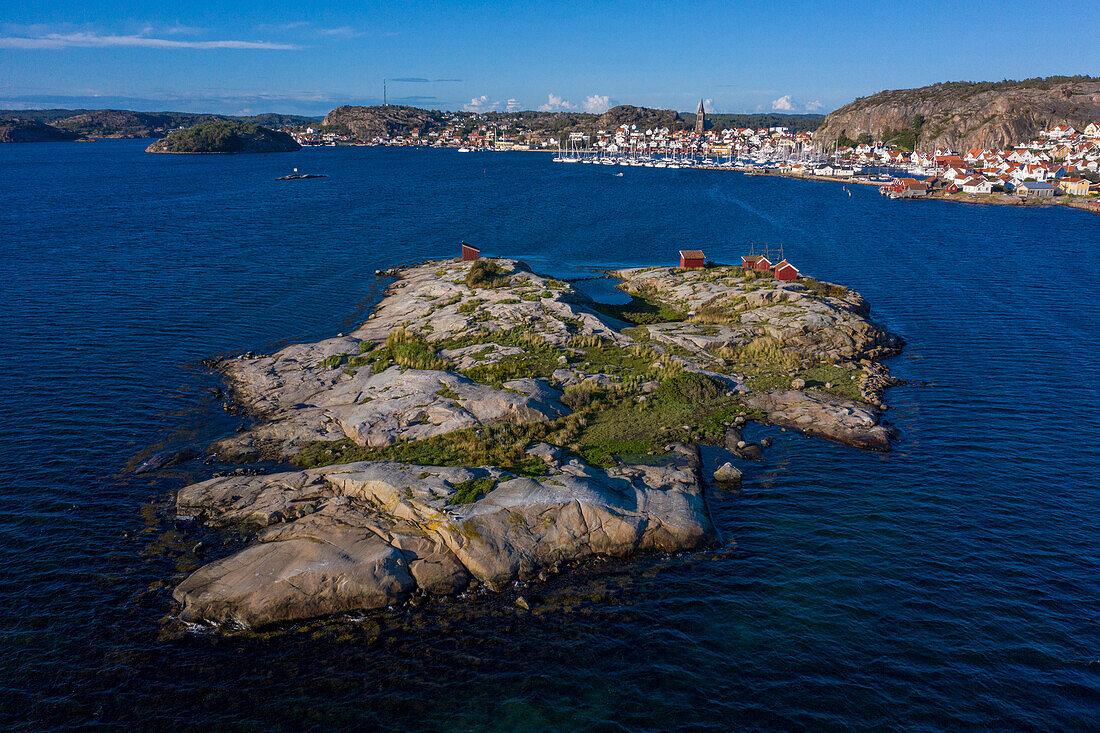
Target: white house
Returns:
[978, 184]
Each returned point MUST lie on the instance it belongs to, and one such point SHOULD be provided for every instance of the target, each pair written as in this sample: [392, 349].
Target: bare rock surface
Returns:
[831, 324]
[824, 415]
[301, 399]
[379, 531]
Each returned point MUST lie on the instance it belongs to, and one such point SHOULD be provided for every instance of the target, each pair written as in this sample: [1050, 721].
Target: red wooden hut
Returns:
[762, 263]
[786, 271]
[692, 259]
[748, 262]
[470, 252]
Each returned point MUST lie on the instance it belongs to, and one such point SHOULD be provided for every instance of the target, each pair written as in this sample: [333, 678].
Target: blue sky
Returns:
[251, 57]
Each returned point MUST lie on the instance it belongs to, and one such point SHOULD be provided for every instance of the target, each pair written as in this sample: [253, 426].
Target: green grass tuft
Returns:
[641, 309]
[467, 492]
[486, 274]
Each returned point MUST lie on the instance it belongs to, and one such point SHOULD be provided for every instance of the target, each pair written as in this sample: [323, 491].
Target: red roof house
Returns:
[470, 252]
[786, 271]
[692, 259]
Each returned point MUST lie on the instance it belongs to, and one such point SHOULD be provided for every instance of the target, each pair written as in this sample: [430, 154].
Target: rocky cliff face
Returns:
[366, 123]
[962, 115]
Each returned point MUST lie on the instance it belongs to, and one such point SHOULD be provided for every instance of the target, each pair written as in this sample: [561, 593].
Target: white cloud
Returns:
[554, 103]
[597, 103]
[783, 104]
[345, 31]
[814, 106]
[708, 103]
[95, 40]
[512, 105]
[480, 104]
[187, 30]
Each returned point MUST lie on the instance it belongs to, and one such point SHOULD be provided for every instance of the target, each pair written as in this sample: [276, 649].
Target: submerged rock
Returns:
[727, 473]
[166, 459]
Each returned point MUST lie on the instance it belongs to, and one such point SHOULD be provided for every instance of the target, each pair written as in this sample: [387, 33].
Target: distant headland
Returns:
[33, 131]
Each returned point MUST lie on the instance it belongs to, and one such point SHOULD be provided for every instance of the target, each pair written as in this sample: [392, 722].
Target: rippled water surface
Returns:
[952, 583]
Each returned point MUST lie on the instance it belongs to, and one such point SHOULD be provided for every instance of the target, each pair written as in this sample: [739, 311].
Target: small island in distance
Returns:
[225, 136]
[34, 131]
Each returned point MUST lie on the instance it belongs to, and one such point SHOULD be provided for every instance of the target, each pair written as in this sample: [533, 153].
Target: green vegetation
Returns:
[907, 138]
[129, 124]
[795, 122]
[612, 420]
[470, 305]
[643, 308]
[826, 289]
[607, 425]
[539, 358]
[486, 274]
[447, 393]
[764, 354]
[500, 445]
[467, 492]
[226, 136]
[686, 407]
[402, 348]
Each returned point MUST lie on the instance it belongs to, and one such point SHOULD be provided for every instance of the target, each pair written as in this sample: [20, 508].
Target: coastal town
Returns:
[1060, 162]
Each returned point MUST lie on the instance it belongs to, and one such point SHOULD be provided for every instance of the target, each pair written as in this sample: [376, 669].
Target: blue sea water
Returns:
[952, 583]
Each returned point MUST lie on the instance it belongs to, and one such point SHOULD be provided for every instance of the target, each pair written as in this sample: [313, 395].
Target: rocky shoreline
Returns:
[488, 425]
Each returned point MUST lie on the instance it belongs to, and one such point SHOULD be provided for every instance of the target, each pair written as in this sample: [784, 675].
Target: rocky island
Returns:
[487, 424]
[225, 136]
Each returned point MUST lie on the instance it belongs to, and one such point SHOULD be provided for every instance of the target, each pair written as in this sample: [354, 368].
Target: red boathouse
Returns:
[692, 259]
[786, 271]
[470, 252]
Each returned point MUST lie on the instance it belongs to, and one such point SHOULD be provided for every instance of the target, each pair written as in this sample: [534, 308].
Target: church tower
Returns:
[700, 118]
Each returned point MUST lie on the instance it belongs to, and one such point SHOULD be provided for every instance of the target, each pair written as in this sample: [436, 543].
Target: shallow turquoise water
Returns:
[949, 584]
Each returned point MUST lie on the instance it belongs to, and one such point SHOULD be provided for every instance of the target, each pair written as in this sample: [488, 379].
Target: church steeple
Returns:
[700, 118]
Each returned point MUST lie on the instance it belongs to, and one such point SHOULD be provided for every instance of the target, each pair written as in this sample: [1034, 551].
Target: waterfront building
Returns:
[786, 271]
[700, 118]
[756, 262]
[692, 259]
[1074, 186]
[1035, 189]
[470, 252]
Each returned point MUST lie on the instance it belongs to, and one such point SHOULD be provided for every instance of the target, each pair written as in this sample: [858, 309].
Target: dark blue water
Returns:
[950, 584]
